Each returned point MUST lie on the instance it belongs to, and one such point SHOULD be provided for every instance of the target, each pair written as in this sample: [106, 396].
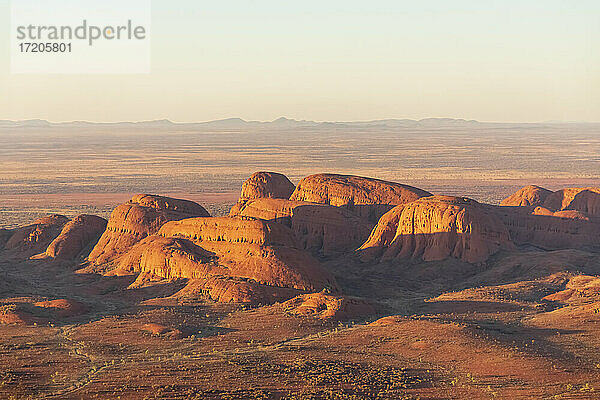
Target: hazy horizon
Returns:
[515, 61]
[285, 118]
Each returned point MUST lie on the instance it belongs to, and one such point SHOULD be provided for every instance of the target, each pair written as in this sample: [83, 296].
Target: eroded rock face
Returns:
[528, 196]
[142, 216]
[263, 253]
[319, 228]
[437, 227]
[550, 230]
[366, 197]
[585, 200]
[76, 236]
[36, 237]
[324, 306]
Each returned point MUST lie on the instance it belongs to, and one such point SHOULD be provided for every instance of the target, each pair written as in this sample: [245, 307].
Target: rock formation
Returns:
[437, 227]
[264, 185]
[142, 216]
[550, 230]
[36, 237]
[76, 236]
[261, 252]
[324, 306]
[228, 289]
[586, 200]
[528, 196]
[579, 290]
[319, 228]
[367, 197]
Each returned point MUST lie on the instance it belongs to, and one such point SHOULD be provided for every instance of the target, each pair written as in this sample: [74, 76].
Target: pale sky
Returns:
[338, 60]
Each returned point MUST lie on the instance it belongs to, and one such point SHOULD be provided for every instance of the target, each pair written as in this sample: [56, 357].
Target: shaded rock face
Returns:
[36, 237]
[435, 228]
[319, 228]
[269, 185]
[5, 234]
[76, 236]
[585, 200]
[324, 306]
[222, 252]
[528, 196]
[142, 216]
[366, 197]
[551, 230]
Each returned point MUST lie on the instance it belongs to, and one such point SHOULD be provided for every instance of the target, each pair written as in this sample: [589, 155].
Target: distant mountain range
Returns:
[238, 123]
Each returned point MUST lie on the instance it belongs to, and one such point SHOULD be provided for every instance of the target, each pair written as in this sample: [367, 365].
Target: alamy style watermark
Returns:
[80, 36]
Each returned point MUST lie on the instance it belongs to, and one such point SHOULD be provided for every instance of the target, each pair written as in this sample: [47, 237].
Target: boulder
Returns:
[367, 197]
[319, 228]
[142, 216]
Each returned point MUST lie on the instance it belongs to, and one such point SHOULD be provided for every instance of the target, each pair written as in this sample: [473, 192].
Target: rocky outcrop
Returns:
[77, 235]
[228, 289]
[260, 252]
[324, 306]
[437, 227]
[585, 200]
[366, 197]
[319, 228]
[36, 237]
[528, 196]
[142, 216]
[270, 185]
[579, 290]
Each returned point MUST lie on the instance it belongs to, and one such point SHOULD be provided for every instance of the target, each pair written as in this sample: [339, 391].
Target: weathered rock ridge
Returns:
[142, 216]
[215, 248]
[319, 228]
[366, 197]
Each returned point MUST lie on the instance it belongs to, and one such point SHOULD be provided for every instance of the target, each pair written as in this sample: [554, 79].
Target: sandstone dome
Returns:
[367, 197]
[140, 217]
[528, 196]
[214, 248]
[76, 235]
[437, 227]
[264, 185]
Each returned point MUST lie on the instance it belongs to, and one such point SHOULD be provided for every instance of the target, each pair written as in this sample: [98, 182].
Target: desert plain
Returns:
[397, 259]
